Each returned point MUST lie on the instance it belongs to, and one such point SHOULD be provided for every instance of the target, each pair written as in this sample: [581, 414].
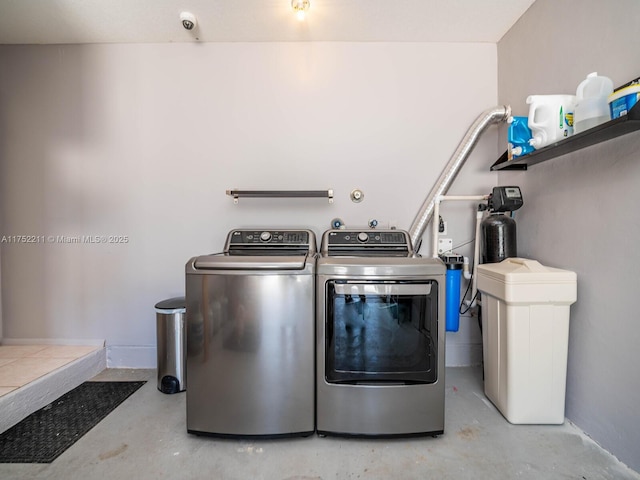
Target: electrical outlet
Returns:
[445, 245]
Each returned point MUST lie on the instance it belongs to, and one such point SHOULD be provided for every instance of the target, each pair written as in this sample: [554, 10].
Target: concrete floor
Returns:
[146, 438]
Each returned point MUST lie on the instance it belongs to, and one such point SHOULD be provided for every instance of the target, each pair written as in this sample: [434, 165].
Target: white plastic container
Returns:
[550, 118]
[592, 104]
[623, 100]
[525, 335]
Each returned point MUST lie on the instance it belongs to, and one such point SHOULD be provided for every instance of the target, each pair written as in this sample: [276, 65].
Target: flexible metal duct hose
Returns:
[448, 175]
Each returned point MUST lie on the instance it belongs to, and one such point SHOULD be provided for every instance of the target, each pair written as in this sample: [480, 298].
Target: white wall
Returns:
[580, 210]
[0, 299]
[143, 140]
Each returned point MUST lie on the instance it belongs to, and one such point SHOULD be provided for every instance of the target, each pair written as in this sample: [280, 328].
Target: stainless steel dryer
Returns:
[250, 336]
[380, 336]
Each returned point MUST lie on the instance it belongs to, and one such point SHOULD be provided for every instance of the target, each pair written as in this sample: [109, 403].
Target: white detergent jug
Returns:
[592, 105]
[550, 118]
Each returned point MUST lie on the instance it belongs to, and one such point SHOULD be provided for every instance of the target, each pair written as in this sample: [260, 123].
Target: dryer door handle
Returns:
[382, 289]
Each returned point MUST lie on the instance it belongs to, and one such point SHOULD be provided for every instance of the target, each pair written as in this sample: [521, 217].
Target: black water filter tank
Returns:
[499, 237]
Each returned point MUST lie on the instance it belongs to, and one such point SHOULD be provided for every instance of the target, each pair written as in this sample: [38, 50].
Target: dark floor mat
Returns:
[45, 434]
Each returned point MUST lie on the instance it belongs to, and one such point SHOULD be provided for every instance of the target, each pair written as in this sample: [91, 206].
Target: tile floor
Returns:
[22, 364]
[146, 438]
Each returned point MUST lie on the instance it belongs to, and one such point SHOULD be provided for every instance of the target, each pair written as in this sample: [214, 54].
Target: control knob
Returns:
[265, 236]
[363, 237]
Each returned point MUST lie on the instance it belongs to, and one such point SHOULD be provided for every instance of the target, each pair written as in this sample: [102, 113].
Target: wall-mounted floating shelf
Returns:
[601, 133]
[236, 194]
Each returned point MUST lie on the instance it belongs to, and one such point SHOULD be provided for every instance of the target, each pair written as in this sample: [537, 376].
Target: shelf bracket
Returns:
[504, 158]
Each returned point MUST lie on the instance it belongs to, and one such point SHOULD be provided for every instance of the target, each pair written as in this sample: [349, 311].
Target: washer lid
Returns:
[253, 262]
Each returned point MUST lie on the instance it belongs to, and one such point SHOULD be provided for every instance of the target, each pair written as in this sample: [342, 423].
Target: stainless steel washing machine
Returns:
[380, 336]
[250, 316]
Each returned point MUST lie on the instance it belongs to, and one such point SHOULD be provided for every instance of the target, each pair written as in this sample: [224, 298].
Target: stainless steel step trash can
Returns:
[172, 343]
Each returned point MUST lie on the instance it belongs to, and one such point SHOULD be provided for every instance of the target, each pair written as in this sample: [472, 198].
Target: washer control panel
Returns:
[268, 238]
[253, 237]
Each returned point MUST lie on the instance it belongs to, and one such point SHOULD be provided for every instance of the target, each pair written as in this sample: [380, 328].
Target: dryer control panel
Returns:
[366, 243]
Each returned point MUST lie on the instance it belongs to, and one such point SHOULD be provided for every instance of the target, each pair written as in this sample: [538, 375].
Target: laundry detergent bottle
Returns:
[550, 118]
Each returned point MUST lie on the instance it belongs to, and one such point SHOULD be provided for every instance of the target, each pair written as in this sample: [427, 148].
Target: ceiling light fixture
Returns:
[300, 7]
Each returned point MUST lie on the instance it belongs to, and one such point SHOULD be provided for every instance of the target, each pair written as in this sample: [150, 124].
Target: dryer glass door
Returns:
[381, 332]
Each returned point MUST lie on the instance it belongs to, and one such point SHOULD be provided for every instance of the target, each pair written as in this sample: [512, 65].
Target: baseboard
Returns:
[117, 356]
[131, 356]
[144, 356]
[53, 341]
[22, 402]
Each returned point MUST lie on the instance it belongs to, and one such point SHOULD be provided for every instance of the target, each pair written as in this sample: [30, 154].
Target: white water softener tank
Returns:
[592, 104]
[550, 118]
[525, 338]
